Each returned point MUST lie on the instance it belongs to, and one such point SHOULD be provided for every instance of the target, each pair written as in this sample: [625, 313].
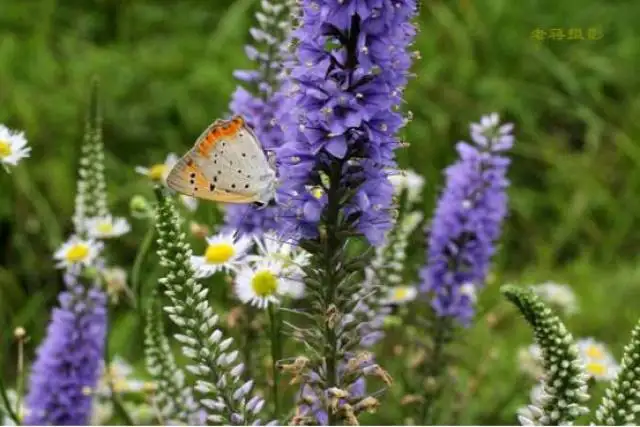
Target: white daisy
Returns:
[291, 259]
[599, 363]
[558, 295]
[261, 284]
[400, 295]
[77, 251]
[223, 253]
[409, 180]
[293, 288]
[13, 146]
[159, 171]
[270, 246]
[107, 227]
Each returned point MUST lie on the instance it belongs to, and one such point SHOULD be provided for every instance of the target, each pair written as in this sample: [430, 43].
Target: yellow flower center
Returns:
[77, 252]
[317, 192]
[594, 352]
[5, 149]
[105, 227]
[400, 293]
[219, 253]
[596, 369]
[156, 172]
[264, 283]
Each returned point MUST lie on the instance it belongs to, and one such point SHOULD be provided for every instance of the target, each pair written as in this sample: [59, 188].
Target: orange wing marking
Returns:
[223, 129]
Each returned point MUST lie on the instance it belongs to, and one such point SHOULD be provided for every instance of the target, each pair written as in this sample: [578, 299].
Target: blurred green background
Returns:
[166, 71]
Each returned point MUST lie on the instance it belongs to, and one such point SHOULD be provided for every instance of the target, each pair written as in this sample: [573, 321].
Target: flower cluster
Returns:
[67, 366]
[275, 271]
[173, 399]
[226, 398]
[91, 195]
[621, 403]
[467, 221]
[565, 382]
[259, 99]
[341, 115]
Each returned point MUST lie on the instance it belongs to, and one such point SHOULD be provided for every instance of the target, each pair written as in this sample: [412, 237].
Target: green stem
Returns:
[117, 404]
[434, 368]
[20, 379]
[7, 405]
[276, 355]
[136, 286]
[332, 245]
[248, 344]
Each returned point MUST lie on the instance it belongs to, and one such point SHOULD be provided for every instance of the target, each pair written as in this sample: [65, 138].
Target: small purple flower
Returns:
[68, 361]
[468, 220]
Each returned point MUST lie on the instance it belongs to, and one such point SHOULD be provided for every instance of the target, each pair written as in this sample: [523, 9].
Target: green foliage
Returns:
[565, 386]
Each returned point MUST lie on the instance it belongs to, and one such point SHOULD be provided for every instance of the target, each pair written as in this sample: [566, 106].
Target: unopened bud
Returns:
[19, 333]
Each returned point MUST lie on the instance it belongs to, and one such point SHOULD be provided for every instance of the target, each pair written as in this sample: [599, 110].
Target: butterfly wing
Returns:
[226, 165]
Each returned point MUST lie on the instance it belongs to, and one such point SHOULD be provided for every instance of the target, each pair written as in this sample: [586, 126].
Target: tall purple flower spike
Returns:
[468, 220]
[340, 119]
[259, 103]
[67, 365]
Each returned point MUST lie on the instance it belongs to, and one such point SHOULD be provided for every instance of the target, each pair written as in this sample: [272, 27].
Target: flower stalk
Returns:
[225, 399]
[564, 383]
[621, 402]
[91, 199]
[276, 356]
[172, 399]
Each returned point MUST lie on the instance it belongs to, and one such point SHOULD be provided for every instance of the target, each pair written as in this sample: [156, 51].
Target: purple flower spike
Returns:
[468, 220]
[67, 365]
[258, 106]
[344, 92]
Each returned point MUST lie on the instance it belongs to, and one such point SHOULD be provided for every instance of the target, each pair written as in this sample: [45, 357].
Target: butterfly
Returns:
[226, 164]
